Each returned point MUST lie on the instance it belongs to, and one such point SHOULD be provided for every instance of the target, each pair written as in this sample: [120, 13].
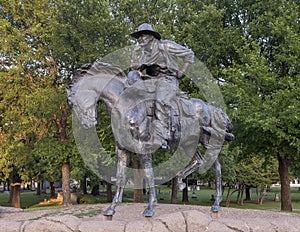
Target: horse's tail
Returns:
[220, 121]
[229, 127]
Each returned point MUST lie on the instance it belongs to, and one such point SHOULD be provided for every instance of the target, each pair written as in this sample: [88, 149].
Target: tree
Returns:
[24, 73]
[29, 79]
[256, 172]
[253, 53]
[265, 81]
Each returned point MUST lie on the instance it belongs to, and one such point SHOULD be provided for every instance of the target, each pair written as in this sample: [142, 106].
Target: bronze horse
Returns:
[193, 121]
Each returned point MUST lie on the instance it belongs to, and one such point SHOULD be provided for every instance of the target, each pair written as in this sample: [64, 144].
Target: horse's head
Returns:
[84, 105]
[91, 83]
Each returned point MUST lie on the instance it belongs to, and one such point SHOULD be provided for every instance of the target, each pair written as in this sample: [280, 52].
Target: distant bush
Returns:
[86, 199]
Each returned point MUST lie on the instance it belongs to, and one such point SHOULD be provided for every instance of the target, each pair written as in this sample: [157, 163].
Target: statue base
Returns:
[108, 217]
[214, 215]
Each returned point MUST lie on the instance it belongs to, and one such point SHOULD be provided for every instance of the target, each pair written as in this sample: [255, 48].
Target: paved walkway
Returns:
[128, 217]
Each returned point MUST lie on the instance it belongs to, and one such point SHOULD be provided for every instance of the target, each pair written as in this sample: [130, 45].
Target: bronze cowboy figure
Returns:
[158, 59]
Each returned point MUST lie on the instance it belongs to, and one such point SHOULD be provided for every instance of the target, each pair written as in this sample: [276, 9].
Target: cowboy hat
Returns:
[147, 29]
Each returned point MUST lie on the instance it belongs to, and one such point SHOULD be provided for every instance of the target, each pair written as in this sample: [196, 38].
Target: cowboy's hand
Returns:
[181, 73]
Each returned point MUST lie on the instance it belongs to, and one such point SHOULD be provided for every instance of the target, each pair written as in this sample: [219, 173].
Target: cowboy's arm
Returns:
[187, 55]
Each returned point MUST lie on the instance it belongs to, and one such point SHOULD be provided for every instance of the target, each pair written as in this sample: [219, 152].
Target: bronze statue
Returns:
[137, 103]
[88, 88]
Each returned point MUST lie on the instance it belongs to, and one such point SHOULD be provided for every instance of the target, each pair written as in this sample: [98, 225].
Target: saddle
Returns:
[141, 115]
[189, 119]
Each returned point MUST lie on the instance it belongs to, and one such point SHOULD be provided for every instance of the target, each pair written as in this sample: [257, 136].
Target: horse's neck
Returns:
[109, 89]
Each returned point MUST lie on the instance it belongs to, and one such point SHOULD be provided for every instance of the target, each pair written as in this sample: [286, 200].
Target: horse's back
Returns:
[202, 110]
[211, 116]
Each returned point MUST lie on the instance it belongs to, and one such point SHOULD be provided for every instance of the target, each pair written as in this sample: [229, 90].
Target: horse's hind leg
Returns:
[192, 167]
[123, 159]
[218, 175]
[197, 162]
[146, 161]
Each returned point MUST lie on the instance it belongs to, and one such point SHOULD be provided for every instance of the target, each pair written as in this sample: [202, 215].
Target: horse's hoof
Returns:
[148, 213]
[109, 212]
[215, 208]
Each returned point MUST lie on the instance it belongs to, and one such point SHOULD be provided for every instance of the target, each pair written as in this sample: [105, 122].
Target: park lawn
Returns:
[204, 196]
[29, 199]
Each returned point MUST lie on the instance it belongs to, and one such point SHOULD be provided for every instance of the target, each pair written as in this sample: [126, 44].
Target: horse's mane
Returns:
[92, 69]
[95, 68]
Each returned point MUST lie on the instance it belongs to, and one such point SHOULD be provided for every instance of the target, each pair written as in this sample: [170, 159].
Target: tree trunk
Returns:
[15, 199]
[31, 186]
[242, 195]
[52, 189]
[185, 196]
[248, 194]
[109, 195]
[228, 197]
[174, 190]
[138, 180]
[83, 185]
[262, 195]
[38, 189]
[44, 188]
[61, 125]
[239, 199]
[239, 195]
[8, 185]
[15, 189]
[286, 202]
[95, 190]
[66, 184]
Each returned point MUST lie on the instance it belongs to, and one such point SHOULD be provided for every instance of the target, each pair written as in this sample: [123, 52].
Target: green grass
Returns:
[204, 196]
[29, 199]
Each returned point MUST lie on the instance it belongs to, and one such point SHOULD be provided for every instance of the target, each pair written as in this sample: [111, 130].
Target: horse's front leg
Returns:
[146, 161]
[218, 175]
[123, 159]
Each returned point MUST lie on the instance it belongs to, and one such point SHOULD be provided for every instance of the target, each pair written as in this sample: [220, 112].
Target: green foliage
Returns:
[265, 80]
[84, 31]
[29, 93]
[257, 171]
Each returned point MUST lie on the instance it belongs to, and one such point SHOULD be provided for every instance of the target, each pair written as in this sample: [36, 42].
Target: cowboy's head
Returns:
[145, 34]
